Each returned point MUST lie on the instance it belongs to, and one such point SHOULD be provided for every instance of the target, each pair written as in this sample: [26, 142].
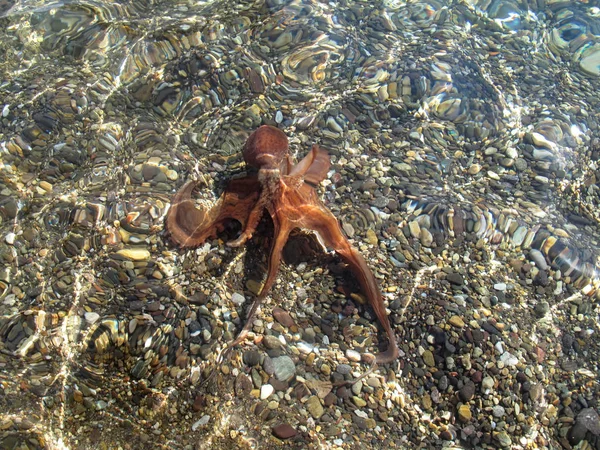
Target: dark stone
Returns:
[455, 278]
[278, 385]
[439, 335]
[443, 383]
[490, 328]
[251, 358]
[541, 279]
[329, 399]
[301, 391]
[343, 392]
[478, 336]
[467, 392]
[567, 342]
[268, 366]
[198, 298]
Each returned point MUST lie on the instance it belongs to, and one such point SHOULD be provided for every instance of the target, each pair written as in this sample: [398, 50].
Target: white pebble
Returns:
[238, 299]
[265, 391]
[91, 317]
[361, 413]
[10, 300]
[10, 238]
[202, 421]
[5, 111]
[353, 355]
[500, 286]
[509, 359]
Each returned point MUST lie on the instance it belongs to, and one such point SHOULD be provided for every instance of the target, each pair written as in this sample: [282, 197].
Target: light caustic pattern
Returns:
[463, 137]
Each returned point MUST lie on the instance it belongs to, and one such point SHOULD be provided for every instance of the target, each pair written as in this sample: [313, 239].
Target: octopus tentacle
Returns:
[313, 167]
[251, 223]
[189, 226]
[324, 223]
[282, 233]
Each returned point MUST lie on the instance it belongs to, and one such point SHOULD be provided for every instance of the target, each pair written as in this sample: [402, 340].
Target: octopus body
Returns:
[285, 190]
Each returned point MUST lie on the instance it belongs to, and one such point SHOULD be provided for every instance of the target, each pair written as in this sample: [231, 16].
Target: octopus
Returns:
[286, 190]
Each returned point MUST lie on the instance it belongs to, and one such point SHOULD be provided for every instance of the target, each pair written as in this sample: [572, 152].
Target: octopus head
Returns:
[266, 148]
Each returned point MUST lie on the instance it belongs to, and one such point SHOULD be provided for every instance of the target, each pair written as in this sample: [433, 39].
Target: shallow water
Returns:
[464, 145]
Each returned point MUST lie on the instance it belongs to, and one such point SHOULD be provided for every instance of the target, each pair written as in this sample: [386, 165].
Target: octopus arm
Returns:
[324, 223]
[189, 226]
[313, 167]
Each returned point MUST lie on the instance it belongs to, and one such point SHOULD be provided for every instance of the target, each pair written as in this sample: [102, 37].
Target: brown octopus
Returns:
[286, 191]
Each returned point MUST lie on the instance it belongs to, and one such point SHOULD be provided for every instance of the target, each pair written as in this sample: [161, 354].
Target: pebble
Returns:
[371, 237]
[353, 355]
[536, 392]
[464, 413]
[455, 278]
[10, 238]
[493, 175]
[474, 169]
[271, 342]
[265, 391]
[586, 423]
[360, 413]
[134, 254]
[344, 369]
[503, 439]
[91, 317]
[314, 407]
[283, 317]
[426, 237]
[456, 321]
[284, 367]
[498, 411]
[538, 258]
[508, 359]
[500, 287]
[467, 392]
[284, 431]
[201, 422]
[415, 229]
[428, 358]
[359, 401]
[487, 384]
[251, 357]
[238, 299]
[541, 309]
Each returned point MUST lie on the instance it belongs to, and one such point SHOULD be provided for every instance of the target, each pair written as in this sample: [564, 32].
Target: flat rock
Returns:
[284, 368]
[134, 254]
[467, 392]
[455, 278]
[456, 321]
[284, 431]
[314, 407]
[283, 317]
[464, 413]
